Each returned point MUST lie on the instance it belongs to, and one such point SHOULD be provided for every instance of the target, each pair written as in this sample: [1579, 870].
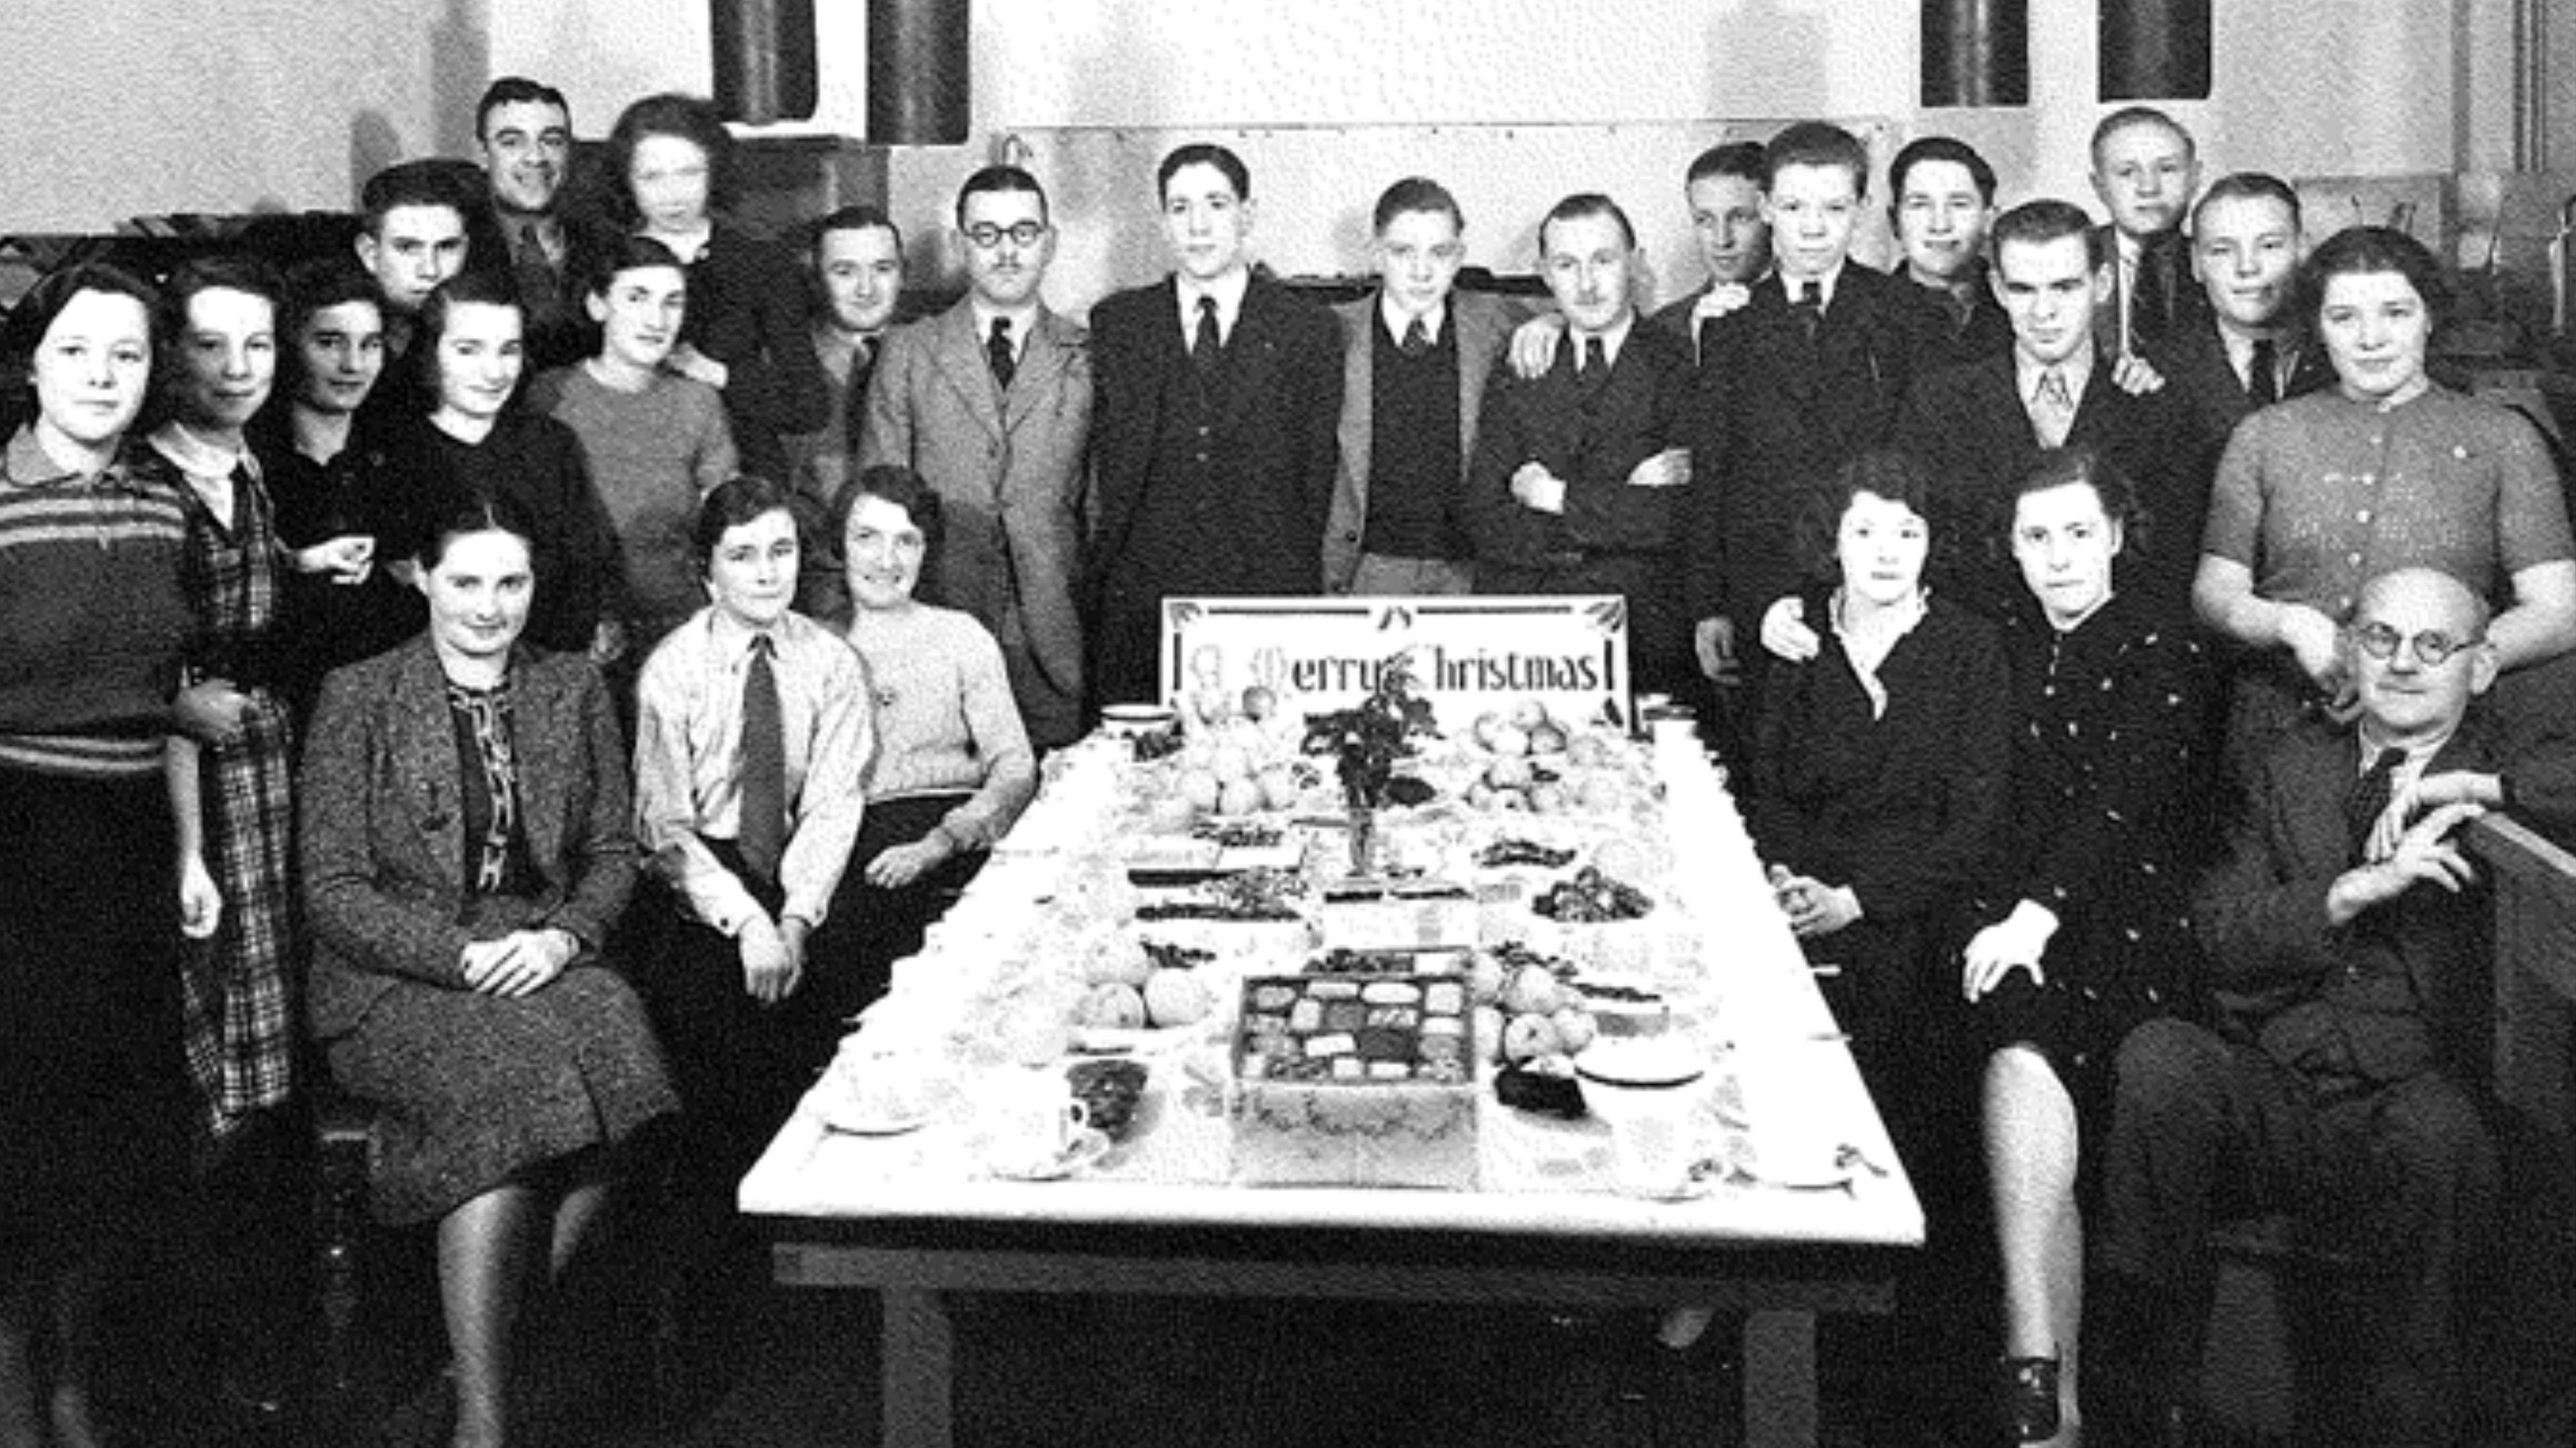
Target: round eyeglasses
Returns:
[2432, 647]
[988, 236]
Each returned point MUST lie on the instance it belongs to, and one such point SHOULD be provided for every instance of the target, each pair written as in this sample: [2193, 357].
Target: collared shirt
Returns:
[206, 464]
[1824, 285]
[1613, 341]
[2418, 754]
[688, 748]
[1228, 291]
[1023, 322]
[2078, 370]
[2240, 359]
[548, 230]
[1396, 319]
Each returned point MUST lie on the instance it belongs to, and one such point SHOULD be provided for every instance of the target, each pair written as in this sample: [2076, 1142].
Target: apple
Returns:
[1177, 998]
[1547, 739]
[1239, 797]
[1600, 793]
[1200, 787]
[1574, 1028]
[1532, 990]
[1510, 740]
[1529, 714]
[1278, 788]
[1586, 750]
[1480, 795]
[1484, 979]
[1171, 815]
[1486, 724]
[1489, 1033]
[1259, 702]
[1527, 1037]
[1547, 797]
[1120, 963]
[1509, 772]
[1111, 1005]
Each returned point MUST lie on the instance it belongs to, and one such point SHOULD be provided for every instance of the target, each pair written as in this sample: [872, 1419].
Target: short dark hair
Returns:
[2045, 220]
[313, 286]
[1582, 204]
[512, 90]
[737, 500]
[858, 216]
[2248, 186]
[996, 178]
[428, 181]
[2357, 249]
[1940, 148]
[1742, 159]
[625, 252]
[907, 490]
[1415, 193]
[1204, 153]
[2127, 116]
[467, 515]
[694, 119]
[2061, 467]
[484, 288]
[1896, 476]
[1816, 143]
[26, 325]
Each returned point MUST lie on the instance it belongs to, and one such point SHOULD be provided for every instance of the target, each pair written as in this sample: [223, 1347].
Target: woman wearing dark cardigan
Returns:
[745, 335]
[466, 850]
[2084, 904]
[1878, 783]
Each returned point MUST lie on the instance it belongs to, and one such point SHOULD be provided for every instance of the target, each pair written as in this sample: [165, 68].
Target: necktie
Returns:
[2369, 798]
[535, 275]
[1960, 307]
[1207, 348]
[762, 832]
[997, 351]
[1417, 338]
[1596, 370]
[2263, 374]
[1807, 304]
[2052, 408]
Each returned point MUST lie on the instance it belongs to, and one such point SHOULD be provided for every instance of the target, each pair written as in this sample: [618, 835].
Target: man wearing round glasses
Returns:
[2346, 946]
[990, 401]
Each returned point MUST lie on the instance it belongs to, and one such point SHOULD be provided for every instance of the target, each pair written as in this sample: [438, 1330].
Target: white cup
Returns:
[1650, 1090]
[1033, 1120]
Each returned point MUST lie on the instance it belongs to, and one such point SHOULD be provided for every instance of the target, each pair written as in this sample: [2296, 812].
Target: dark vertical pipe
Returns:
[917, 69]
[1976, 52]
[2154, 50]
[765, 60]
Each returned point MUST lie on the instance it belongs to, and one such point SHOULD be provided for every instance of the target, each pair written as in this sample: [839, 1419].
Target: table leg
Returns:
[916, 1349]
[1779, 1379]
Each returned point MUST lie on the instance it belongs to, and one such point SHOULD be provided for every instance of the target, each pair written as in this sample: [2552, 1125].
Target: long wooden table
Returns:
[912, 1218]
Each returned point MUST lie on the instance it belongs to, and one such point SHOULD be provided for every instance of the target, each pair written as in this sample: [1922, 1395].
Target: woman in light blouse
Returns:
[953, 766]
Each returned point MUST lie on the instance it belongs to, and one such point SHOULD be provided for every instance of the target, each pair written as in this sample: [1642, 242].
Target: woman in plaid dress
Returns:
[221, 330]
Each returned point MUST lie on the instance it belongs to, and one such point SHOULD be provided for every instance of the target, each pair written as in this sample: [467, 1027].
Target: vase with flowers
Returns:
[1365, 741]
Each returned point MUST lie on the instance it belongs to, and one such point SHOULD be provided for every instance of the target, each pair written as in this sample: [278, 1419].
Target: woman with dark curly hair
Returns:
[745, 334]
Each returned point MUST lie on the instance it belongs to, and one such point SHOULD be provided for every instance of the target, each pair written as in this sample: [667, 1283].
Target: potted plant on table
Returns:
[1365, 741]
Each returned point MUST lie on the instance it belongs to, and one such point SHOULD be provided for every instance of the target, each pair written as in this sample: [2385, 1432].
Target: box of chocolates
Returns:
[1352, 1080]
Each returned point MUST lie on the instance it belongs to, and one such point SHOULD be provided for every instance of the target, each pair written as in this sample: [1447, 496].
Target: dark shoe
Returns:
[2027, 1397]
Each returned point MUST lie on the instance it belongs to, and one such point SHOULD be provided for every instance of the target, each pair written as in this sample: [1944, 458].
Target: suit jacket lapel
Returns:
[424, 750]
[1042, 364]
[544, 728]
[1359, 376]
[958, 353]
[1479, 330]
[1251, 353]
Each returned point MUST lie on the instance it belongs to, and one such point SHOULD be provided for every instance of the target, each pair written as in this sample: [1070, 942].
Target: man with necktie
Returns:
[2346, 933]
[1415, 355]
[1803, 377]
[2145, 170]
[1580, 481]
[990, 402]
[1941, 200]
[525, 130]
[2245, 351]
[858, 276]
[1219, 394]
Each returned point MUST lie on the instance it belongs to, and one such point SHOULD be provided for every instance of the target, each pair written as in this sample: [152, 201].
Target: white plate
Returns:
[848, 1118]
[1087, 1148]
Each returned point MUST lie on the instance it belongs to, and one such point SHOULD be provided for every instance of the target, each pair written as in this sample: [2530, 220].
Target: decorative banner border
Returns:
[1468, 654]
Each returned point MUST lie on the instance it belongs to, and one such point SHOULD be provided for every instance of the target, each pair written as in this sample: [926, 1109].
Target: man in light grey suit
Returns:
[990, 401]
[1415, 356]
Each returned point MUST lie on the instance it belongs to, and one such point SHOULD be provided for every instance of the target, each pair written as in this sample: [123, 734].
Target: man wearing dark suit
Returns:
[2347, 936]
[990, 401]
[1806, 375]
[1219, 392]
[1941, 199]
[1414, 358]
[1580, 482]
[2145, 169]
[525, 130]
[1724, 190]
[857, 267]
[2247, 351]
[1980, 426]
